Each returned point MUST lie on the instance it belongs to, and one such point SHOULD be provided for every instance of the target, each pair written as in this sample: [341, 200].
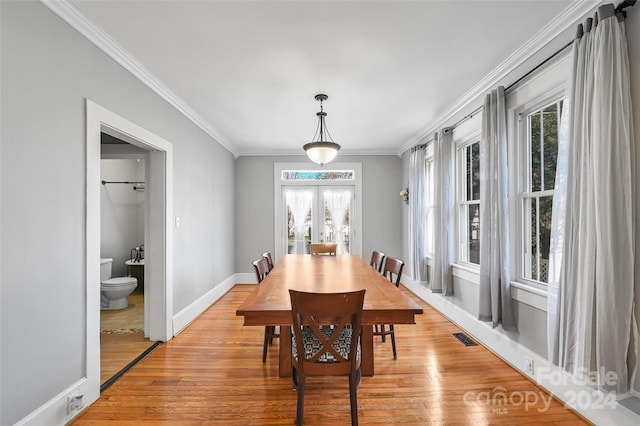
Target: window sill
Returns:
[523, 293]
[467, 272]
[529, 295]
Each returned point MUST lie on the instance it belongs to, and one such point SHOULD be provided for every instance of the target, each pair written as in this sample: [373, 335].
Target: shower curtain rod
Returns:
[104, 182]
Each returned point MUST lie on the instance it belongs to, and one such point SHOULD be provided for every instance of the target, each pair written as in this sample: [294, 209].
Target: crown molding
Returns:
[300, 153]
[77, 20]
[568, 17]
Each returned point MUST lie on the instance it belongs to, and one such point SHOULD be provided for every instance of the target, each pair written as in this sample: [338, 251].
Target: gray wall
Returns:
[121, 211]
[381, 205]
[47, 71]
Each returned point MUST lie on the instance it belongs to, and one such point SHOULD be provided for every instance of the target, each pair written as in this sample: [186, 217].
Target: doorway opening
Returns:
[318, 214]
[122, 251]
[317, 204]
[156, 236]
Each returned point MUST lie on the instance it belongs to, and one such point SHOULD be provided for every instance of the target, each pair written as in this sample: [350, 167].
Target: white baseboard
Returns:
[186, 316]
[54, 411]
[246, 278]
[580, 398]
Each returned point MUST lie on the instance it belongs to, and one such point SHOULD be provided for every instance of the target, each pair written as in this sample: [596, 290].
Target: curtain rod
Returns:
[537, 67]
[456, 124]
[137, 186]
[480, 108]
[625, 4]
[104, 182]
[619, 9]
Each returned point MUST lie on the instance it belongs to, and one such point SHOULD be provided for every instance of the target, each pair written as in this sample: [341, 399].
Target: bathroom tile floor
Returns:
[122, 337]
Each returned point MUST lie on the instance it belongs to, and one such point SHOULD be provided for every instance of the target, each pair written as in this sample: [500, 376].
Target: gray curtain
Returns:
[418, 214]
[495, 278]
[591, 321]
[443, 213]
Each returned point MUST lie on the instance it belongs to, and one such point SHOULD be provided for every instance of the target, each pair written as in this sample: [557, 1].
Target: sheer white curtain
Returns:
[299, 203]
[337, 202]
[443, 213]
[591, 322]
[495, 304]
[418, 213]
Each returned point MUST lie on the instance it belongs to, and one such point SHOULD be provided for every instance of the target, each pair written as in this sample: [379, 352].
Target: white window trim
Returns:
[537, 91]
[521, 182]
[464, 135]
[522, 293]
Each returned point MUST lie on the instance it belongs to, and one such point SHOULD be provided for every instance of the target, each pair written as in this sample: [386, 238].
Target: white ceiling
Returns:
[251, 69]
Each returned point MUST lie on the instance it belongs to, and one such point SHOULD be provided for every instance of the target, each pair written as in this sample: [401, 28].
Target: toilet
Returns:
[114, 291]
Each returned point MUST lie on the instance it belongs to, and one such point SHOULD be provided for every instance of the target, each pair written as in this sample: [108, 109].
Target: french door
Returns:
[317, 214]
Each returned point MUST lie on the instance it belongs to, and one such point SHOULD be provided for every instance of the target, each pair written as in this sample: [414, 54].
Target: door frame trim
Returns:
[98, 120]
[278, 183]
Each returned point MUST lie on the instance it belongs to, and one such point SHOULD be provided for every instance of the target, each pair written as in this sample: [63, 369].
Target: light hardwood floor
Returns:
[212, 373]
[122, 337]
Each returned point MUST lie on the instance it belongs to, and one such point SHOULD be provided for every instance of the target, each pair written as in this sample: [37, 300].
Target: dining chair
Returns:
[326, 329]
[377, 260]
[323, 249]
[267, 255]
[261, 267]
[393, 272]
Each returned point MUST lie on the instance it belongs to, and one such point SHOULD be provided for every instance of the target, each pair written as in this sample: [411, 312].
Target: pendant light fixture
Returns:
[321, 150]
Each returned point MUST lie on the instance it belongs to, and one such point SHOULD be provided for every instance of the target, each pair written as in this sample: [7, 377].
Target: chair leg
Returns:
[353, 398]
[300, 403]
[294, 377]
[393, 341]
[382, 331]
[266, 344]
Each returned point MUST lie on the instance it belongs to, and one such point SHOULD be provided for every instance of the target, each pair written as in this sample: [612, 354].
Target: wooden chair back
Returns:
[324, 249]
[261, 267]
[326, 341]
[267, 256]
[377, 260]
[393, 270]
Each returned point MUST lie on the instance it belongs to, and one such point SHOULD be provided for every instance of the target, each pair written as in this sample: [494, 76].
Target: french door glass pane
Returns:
[318, 214]
[299, 217]
[337, 208]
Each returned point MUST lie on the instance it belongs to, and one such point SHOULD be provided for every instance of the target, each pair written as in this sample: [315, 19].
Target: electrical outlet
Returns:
[75, 403]
[529, 365]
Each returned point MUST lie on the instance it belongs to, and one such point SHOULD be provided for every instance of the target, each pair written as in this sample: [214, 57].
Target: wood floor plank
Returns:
[122, 336]
[212, 373]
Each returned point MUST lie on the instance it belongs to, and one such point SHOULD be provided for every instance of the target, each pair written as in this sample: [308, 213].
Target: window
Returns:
[317, 175]
[541, 130]
[468, 176]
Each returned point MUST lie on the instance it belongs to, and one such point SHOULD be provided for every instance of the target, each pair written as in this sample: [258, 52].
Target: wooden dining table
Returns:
[269, 303]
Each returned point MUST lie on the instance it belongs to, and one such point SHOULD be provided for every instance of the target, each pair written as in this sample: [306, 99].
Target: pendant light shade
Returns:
[323, 149]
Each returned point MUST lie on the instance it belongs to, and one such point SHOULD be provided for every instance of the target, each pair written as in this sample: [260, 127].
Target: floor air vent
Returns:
[464, 339]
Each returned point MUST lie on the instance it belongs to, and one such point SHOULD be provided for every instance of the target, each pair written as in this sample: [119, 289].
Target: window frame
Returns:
[544, 86]
[523, 183]
[464, 136]
[462, 203]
